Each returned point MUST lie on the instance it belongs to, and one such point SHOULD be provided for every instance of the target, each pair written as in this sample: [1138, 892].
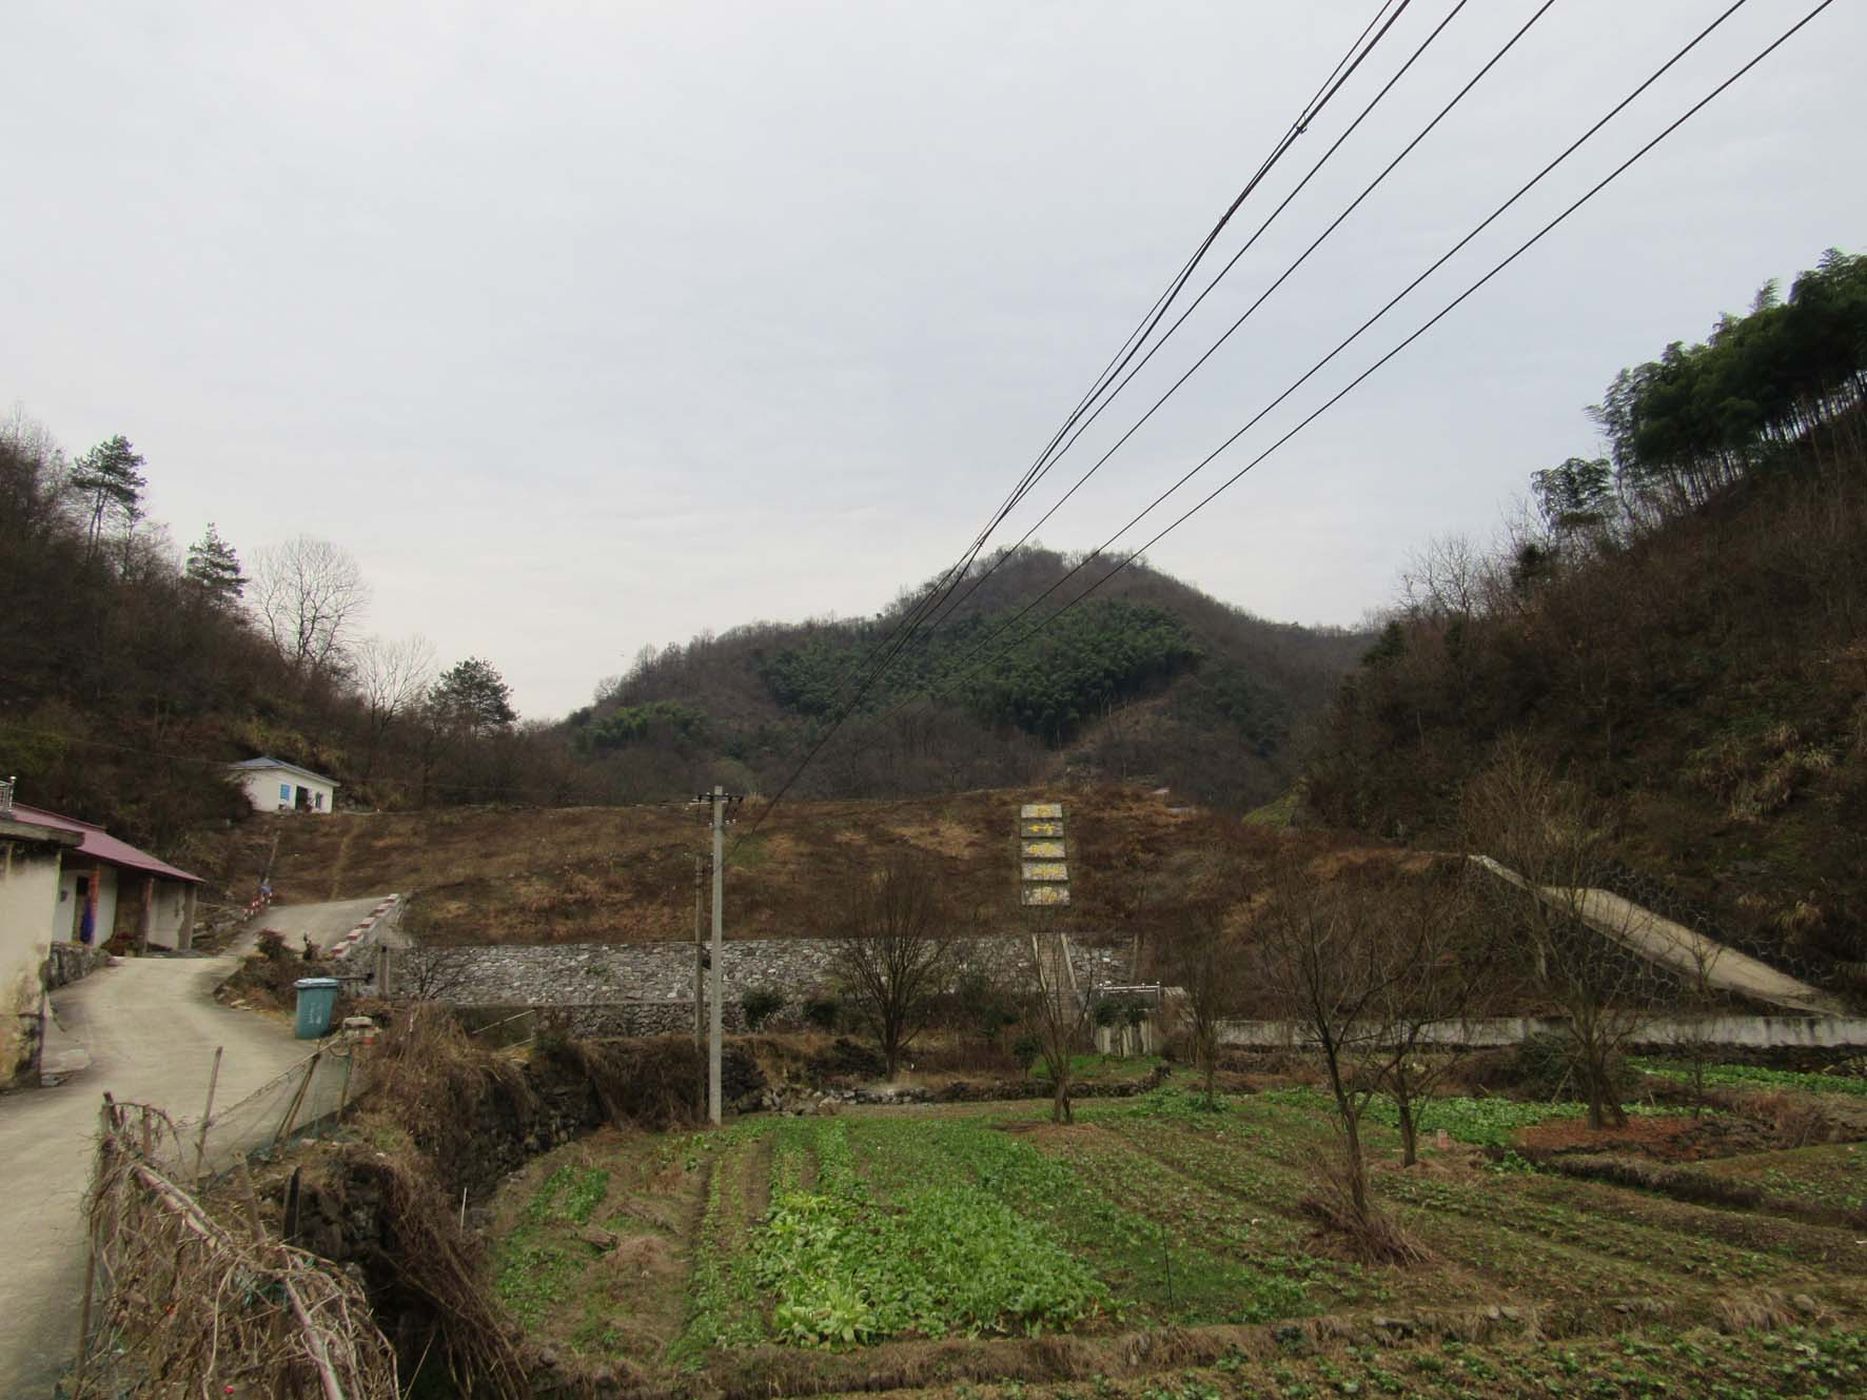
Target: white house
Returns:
[29, 871]
[273, 785]
[67, 881]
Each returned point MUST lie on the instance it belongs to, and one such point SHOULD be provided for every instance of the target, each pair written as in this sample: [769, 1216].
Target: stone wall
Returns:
[66, 963]
[585, 975]
[595, 1020]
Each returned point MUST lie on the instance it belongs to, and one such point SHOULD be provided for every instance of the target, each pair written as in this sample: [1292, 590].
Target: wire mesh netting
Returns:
[303, 1101]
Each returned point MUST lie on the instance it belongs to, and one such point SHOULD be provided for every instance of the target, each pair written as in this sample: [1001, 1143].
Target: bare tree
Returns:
[1702, 997]
[427, 973]
[1445, 580]
[1059, 1017]
[309, 595]
[894, 952]
[1550, 853]
[1322, 961]
[1196, 898]
[1438, 966]
[392, 678]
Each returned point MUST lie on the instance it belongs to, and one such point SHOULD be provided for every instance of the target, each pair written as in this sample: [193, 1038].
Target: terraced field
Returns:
[919, 1246]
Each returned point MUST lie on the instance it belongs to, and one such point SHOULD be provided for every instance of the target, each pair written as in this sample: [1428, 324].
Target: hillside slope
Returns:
[1147, 680]
[1687, 639]
[606, 874]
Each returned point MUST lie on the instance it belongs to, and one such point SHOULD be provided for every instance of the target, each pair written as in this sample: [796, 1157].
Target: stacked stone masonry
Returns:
[661, 975]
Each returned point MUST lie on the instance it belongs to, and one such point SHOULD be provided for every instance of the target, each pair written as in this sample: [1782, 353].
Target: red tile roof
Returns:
[101, 845]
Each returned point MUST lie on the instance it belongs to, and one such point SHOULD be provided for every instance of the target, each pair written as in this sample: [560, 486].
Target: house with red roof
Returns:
[67, 881]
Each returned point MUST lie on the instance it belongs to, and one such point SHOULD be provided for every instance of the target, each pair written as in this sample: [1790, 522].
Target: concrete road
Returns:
[1684, 950]
[151, 1026]
[325, 923]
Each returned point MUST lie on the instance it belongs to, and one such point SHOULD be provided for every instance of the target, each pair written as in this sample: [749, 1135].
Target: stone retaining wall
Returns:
[596, 1020]
[640, 974]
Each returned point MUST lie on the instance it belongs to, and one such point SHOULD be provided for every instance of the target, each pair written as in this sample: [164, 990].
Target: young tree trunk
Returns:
[1357, 1170]
[1060, 1110]
[1409, 1129]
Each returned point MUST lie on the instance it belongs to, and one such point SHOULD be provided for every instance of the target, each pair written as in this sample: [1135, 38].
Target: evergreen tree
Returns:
[472, 695]
[214, 568]
[110, 481]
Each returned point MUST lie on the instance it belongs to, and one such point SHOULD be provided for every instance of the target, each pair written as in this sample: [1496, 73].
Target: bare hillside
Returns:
[623, 874]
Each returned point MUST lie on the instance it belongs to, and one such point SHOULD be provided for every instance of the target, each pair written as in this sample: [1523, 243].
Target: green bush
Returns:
[1026, 1050]
[823, 1012]
[760, 1005]
[1544, 1067]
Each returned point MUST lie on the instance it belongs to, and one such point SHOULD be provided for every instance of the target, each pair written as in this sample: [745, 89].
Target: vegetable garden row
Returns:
[863, 1228]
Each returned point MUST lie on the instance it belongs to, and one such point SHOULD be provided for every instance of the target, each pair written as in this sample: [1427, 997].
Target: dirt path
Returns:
[151, 1027]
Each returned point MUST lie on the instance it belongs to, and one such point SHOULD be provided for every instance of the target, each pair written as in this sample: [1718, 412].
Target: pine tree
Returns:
[472, 695]
[214, 568]
[110, 480]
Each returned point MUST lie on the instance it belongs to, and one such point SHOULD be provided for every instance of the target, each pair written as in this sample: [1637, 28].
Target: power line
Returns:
[1357, 333]
[1249, 311]
[882, 655]
[872, 667]
[911, 619]
[1384, 359]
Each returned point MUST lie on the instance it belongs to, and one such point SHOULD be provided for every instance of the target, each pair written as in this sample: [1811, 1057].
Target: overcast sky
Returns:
[591, 326]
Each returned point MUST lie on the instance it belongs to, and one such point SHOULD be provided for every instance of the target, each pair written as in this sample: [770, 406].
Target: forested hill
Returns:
[1683, 635]
[1147, 679]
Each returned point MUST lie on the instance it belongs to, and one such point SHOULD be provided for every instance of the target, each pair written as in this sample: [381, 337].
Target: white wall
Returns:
[28, 909]
[262, 789]
[167, 910]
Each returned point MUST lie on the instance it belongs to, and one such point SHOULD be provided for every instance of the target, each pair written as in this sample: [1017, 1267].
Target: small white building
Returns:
[273, 785]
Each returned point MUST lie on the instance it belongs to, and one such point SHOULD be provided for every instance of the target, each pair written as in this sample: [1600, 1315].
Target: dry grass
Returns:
[191, 1305]
[624, 874]
[1366, 1236]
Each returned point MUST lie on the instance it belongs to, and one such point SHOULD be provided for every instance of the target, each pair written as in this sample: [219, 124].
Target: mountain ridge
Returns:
[1143, 677]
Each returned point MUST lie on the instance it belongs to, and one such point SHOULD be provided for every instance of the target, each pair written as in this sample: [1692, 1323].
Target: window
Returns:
[285, 792]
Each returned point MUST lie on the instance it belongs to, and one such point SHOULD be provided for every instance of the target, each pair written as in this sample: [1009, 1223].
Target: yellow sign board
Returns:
[1046, 894]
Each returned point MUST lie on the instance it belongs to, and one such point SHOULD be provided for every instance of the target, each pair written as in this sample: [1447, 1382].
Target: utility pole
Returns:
[719, 801]
[719, 954]
[700, 950]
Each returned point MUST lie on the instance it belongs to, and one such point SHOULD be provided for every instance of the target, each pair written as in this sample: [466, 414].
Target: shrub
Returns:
[1026, 1049]
[1544, 1067]
[271, 945]
[982, 1004]
[823, 1012]
[846, 1058]
[760, 1005]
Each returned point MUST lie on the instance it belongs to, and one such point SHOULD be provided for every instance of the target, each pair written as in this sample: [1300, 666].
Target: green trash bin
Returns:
[317, 998]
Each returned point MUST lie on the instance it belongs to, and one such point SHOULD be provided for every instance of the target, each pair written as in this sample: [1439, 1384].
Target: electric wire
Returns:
[1355, 383]
[884, 654]
[979, 579]
[1358, 332]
